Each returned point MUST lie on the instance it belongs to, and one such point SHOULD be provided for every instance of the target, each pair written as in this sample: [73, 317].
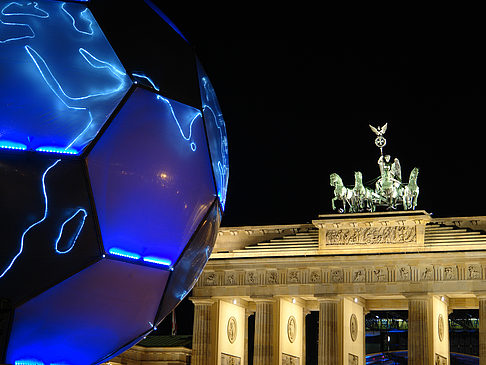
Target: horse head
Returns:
[335, 180]
[413, 176]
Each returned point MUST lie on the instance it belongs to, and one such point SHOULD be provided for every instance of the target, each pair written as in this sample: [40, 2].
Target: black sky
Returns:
[299, 86]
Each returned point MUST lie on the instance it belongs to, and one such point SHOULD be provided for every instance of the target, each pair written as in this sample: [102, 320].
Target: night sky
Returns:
[299, 86]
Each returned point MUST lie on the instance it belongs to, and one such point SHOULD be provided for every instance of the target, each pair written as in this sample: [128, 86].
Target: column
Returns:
[264, 332]
[418, 331]
[248, 313]
[329, 331]
[201, 340]
[482, 329]
[304, 337]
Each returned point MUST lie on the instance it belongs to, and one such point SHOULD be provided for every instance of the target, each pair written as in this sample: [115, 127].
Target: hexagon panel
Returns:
[49, 229]
[151, 206]
[95, 310]
[56, 95]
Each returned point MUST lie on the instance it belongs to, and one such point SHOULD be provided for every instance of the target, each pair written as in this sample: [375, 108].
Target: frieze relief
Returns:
[272, 277]
[290, 360]
[293, 277]
[251, 278]
[371, 236]
[230, 359]
[337, 275]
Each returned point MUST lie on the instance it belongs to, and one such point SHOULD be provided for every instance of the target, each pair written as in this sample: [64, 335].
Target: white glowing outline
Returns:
[34, 224]
[85, 214]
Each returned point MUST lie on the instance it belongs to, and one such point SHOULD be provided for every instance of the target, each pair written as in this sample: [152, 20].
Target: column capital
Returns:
[263, 298]
[481, 295]
[417, 296]
[202, 300]
[322, 298]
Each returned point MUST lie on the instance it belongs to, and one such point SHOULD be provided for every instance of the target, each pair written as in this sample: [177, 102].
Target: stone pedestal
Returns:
[328, 331]
[264, 332]
[418, 331]
[201, 341]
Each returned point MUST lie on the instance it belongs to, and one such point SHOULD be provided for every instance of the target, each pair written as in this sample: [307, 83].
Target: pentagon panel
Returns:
[191, 263]
[151, 178]
[87, 316]
[155, 54]
[216, 130]
[51, 231]
[56, 95]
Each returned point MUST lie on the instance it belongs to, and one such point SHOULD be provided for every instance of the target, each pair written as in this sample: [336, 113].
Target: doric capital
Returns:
[417, 296]
[202, 300]
[327, 298]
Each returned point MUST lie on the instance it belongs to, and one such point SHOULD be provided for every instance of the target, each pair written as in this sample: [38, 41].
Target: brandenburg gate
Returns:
[342, 265]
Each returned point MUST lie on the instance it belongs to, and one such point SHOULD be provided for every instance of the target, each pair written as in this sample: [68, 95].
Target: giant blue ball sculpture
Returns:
[113, 176]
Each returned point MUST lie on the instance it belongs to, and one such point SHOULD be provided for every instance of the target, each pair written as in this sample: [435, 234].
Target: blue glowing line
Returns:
[157, 260]
[123, 253]
[166, 18]
[80, 227]
[135, 256]
[222, 166]
[84, 16]
[34, 224]
[141, 76]
[52, 149]
[115, 71]
[188, 138]
[28, 362]
[56, 88]
[44, 16]
[21, 24]
[10, 145]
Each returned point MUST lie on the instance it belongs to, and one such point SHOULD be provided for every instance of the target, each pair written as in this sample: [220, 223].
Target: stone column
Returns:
[201, 340]
[329, 331]
[264, 332]
[304, 336]
[418, 331]
[248, 313]
[482, 329]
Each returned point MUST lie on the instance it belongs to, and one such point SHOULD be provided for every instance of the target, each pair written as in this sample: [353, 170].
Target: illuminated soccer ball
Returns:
[113, 176]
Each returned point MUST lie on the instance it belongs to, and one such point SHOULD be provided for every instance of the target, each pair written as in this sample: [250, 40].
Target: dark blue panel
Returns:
[87, 316]
[151, 178]
[216, 130]
[49, 227]
[191, 263]
[60, 77]
[153, 47]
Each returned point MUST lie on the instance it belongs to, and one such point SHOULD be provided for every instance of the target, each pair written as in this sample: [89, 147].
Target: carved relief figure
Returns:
[315, 276]
[359, 276]
[473, 272]
[272, 277]
[450, 273]
[211, 278]
[251, 277]
[231, 279]
[353, 359]
[353, 327]
[427, 273]
[379, 274]
[404, 273]
[291, 329]
[231, 329]
[294, 276]
[337, 276]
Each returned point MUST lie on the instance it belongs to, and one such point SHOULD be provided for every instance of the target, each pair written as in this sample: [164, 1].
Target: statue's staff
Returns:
[380, 141]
